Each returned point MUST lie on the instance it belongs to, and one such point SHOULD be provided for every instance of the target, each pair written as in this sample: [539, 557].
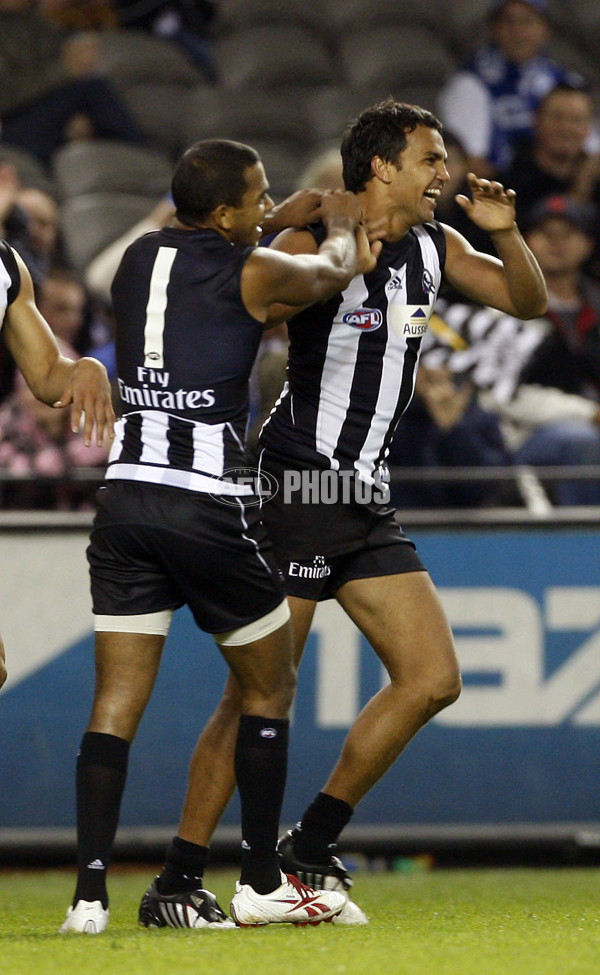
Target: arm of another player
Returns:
[299, 242]
[53, 378]
[298, 210]
[514, 283]
[271, 276]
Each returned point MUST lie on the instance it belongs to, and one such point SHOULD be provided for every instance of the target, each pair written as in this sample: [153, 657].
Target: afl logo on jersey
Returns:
[366, 319]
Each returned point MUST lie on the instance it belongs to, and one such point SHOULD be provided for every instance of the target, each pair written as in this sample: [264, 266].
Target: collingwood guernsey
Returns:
[353, 360]
[183, 396]
[10, 279]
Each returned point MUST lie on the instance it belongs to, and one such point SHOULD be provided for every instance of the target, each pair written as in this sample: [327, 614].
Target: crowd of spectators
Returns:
[491, 391]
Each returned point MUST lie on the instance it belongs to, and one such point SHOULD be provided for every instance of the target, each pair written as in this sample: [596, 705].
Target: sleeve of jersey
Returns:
[439, 239]
[12, 269]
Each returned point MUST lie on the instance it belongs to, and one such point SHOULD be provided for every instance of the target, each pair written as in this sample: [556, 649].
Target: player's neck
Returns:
[391, 222]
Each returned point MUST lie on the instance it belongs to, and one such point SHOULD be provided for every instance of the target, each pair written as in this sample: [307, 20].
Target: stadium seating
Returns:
[30, 170]
[393, 55]
[255, 114]
[341, 15]
[292, 75]
[234, 14]
[133, 56]
[154, 78]
[92, 221]
[101, 165]
[269, 56]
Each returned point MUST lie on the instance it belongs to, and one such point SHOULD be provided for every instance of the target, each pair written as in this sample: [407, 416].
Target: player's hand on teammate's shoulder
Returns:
[491, 206]
[340, 206]
[298, 210]
[367, 251]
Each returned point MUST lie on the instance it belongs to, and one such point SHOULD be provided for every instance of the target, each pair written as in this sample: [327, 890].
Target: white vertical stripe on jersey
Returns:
[209, 448]
[155, 309]
[117, 444]
[431, 258]
[155, 442]
[391, 374]
[389, 385]
[5, 283]
[338, 372]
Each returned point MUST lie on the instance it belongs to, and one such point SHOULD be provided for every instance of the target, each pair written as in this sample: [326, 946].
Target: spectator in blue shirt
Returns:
[490, 102]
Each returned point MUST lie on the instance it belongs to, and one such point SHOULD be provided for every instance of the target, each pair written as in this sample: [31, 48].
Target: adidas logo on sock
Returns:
[96, 865]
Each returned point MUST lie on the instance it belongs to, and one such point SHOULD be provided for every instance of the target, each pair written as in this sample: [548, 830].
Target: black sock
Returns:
[101, 774]
[320, 827]
[184, 867]
[260, 770]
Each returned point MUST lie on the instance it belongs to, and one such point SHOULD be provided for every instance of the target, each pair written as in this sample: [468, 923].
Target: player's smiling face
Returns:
[420, 175]
[247, 218]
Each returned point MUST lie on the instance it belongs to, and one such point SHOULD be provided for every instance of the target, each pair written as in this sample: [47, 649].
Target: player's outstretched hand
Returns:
[491, 206]
[88, 391]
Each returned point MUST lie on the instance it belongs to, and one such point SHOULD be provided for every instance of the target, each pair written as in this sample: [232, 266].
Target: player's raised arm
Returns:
[513, 282]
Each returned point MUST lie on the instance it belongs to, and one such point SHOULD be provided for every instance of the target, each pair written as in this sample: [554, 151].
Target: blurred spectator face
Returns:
[43, 219]
[519, 31]
[559, 245]
[563, 122]
[62, 303]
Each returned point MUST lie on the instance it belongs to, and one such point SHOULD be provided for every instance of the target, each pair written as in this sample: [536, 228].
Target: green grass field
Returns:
[451, 922]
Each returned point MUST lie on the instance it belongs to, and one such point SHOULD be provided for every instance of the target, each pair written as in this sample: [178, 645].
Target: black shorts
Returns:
[320, 546]
[154, 548]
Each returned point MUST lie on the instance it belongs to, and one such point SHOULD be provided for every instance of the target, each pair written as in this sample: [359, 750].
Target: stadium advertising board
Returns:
[520, 746]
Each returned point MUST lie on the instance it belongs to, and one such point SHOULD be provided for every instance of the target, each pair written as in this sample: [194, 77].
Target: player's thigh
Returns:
[303, 611]
[403, 619]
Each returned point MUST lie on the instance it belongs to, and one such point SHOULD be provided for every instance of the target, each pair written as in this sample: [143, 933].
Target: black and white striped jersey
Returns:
[10, 279]
[352, 360]
[185, 348]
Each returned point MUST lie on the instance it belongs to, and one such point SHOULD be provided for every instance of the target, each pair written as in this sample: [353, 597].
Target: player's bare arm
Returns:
[298, 210]
[299, 242]
[272, 276]
[53, 378]
[513, 283]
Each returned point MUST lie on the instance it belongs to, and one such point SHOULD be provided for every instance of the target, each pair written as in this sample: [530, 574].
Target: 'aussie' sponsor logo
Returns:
[417, 323]
[409, 321]
[366, 319]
